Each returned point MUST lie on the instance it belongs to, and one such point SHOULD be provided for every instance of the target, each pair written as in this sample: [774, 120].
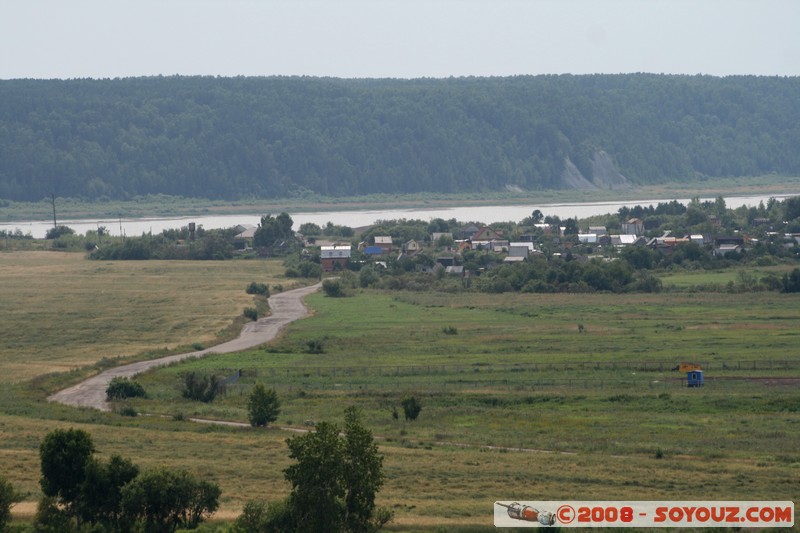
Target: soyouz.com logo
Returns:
[644, 514]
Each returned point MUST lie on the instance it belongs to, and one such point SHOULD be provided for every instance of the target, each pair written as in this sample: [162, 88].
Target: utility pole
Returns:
[55, 224]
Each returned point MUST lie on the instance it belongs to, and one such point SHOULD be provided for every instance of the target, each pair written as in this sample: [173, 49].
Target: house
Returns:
[334, 257]
[373, 250]
[411, 247]
[623, 240]
[244, 236]
[454, 271]
[487, 234]
[587, 238]
[633, 226]
[597, 230]
[722, 249]
[518, 252]
[384, 242]
[498, 245]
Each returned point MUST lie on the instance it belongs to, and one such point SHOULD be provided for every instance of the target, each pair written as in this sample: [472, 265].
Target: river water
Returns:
[358, 218]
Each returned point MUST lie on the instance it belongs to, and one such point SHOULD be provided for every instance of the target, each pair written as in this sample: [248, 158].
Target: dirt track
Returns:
[286, 307]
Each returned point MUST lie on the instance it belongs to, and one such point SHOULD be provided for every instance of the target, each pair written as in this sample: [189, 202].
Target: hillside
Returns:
[230, 138]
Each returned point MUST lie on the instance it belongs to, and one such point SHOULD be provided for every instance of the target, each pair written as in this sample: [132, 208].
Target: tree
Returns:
[273, 229]
[263, 406]
[101, 490]
[8, 497]
[64, 456]
[334, 480]
[165, 500]
[363, 477]
[411, 408]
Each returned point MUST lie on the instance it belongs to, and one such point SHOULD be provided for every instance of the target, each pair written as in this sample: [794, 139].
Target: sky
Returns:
[396, 38]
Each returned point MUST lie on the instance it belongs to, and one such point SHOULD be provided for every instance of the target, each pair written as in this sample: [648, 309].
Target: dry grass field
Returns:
[61, 312]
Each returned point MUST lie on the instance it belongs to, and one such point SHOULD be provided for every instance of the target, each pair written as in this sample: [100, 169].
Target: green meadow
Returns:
[524, 396]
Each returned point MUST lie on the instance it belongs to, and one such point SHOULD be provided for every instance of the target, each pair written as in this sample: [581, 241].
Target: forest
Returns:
[282, 137]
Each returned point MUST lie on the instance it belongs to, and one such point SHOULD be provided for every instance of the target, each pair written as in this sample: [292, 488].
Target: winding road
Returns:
[285, 307]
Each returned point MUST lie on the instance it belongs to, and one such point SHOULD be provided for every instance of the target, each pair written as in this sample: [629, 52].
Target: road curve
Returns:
[285, 307]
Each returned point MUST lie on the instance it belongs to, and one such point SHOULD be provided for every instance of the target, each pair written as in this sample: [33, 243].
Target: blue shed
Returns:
[694, 378]
[373, 250]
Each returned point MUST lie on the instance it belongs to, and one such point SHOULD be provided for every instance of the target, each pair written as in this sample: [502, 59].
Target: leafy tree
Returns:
[101, 490]
[58, 231]
[363, 477]
[310, 229]
[411, 408]
[273, 229]
[165, 500]
[8, 497]
[791, 281]
[263, 406]
[65, 454]
[334, 480]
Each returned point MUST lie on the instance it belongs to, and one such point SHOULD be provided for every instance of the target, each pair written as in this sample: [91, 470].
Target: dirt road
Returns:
[286, 307]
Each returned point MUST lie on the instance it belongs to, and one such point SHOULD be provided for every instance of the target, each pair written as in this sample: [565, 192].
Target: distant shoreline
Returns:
[172, 206]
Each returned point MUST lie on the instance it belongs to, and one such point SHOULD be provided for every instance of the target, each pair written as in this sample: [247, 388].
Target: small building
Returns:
[455, 270]
[411, 247]
[384, 242]
[694, 378]
[723, 249]
[333, 257]
[597, 230]
[587, 238]
[634, 226]
[373, 250]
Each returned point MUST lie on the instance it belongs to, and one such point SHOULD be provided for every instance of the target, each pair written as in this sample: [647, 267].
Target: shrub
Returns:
[121, 388]
[203, 389]
[332, 288]
[411, 408]
[258, 288]
[450, 330]
[128, 410]
[251, 313]
[314, 347]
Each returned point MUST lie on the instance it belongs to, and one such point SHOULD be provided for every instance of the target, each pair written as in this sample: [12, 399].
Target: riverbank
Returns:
[160, 206]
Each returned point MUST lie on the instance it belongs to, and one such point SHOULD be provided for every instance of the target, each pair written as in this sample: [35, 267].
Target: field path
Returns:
[285, 307]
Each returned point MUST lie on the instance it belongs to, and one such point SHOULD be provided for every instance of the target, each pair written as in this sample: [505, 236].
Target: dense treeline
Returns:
[277, 137]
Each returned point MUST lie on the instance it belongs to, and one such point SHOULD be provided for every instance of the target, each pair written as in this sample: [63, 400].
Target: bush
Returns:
[203, 389]
[128, 410]
[315, 347]
[121, 388]
[411, 408]
[251, 313]
[332, 288]
[258, 288]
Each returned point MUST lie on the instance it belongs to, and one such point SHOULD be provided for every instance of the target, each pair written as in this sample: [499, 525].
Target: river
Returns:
[358, 218]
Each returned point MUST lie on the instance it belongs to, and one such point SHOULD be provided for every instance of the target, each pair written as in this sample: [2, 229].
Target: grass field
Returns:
[600, 403]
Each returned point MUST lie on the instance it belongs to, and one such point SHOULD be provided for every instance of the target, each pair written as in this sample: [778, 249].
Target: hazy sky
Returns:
[396, 38]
